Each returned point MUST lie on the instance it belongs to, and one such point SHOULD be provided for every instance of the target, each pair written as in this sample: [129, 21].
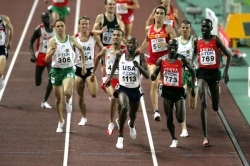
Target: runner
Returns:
[41, 35]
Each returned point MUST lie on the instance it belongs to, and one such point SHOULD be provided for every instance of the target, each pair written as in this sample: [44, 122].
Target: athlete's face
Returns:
[117, 37]
[172, 46]
[185, 29]
[84, 25]
[159, 15]
[60, 27]
[206, 27]
[110, 6]
[45, 18]
[132, 44]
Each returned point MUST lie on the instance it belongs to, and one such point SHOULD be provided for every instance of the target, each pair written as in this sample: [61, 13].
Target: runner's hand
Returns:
[33, 58]
[226, 77]
[92, 77]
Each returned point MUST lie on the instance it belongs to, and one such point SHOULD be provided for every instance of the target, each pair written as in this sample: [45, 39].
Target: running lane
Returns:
[28, 134]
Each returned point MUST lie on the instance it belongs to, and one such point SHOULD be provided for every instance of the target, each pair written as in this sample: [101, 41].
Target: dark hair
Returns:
[208, 20]
[186, 22]
[161, 7]
[83, 18]
[118, 29]
[60, 20]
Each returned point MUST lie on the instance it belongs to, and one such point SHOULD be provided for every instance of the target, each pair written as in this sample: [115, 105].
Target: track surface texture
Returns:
[28, 132]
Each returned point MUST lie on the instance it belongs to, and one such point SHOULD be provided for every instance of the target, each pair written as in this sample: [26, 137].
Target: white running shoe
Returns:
[82, 122]
[1, 83]
[117, 123]
[174, 144]
[119, 144]
[60, 127]
[157, 116]
[184, 133]
[69, 107]
[132, 131]
[110, 129]
[45, 105]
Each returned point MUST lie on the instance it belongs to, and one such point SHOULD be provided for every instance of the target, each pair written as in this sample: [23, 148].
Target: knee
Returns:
[124, 109]
[58, 100]
[67, 92]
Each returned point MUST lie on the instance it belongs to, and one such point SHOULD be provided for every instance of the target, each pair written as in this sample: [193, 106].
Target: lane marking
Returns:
[151, 144]
[18, 47]
[1, 152]
[111, 154]
[66, 147]
[209, 155]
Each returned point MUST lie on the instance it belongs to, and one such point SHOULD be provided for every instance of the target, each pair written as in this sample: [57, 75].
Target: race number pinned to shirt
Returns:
[156, 46]
[207, 56]
[171, 77]
[106, 37]
[44, 46]
[120, 9]
[169, 22]
[2, 38]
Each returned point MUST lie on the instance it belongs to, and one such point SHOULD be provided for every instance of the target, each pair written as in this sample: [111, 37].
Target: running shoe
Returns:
[157, 116]
[45, 105]
[205, 142]
[184, 133]
[1, 83]
[60, 127]
[132, 131]
[119, 144]
[110, 129]
[82, 122]
[174, 144]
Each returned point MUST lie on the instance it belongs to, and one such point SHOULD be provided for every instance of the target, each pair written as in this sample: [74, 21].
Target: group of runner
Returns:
[177, 66]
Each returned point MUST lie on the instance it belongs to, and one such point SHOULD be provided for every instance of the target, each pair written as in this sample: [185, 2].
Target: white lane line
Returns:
[151, 144]
[66, 147]
[18, 47]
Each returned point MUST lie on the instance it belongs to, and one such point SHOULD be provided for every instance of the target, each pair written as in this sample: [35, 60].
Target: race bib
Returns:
[44, 46]
[156, 47]
[171, 78]
[2, 38]
[169, 22]
[207, 57]
[106, 37]
[120, 9]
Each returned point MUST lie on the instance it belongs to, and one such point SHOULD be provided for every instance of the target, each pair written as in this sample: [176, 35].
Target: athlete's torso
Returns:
[88, 48]
[111, 26]
[60, 3]
[172, 73]
[129, 75]
[64, 54]
[42, 41]
[3, 35]
[208, 56]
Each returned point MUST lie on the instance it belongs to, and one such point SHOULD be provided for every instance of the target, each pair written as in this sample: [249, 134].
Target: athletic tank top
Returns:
[122, 11]
[169, 20]
[2, 32]
[42, 41]
[129, 75]
[106, 36]
[155, 37]
[208, 56]
[172, 73]
[187, 49]
[89, 50]
[110, 59]
[64, 55]
[60, 3]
